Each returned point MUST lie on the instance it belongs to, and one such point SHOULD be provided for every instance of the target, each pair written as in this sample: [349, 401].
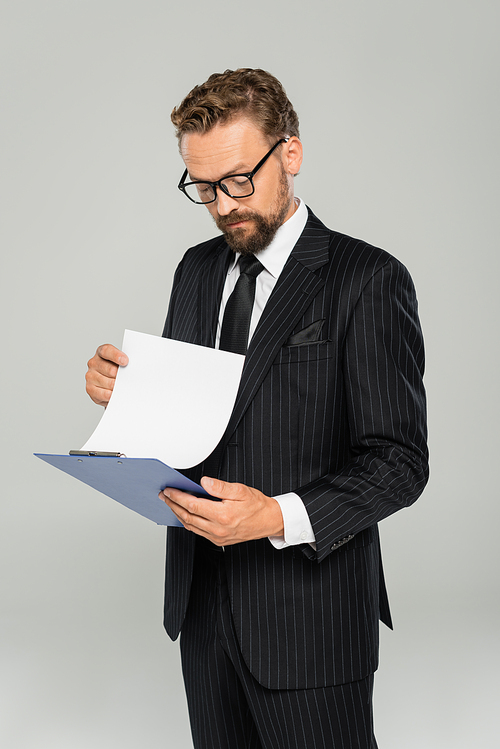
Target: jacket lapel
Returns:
[294, 290]
[212, 285]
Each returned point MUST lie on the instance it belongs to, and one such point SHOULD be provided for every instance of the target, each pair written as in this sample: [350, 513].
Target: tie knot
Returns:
[250, 265]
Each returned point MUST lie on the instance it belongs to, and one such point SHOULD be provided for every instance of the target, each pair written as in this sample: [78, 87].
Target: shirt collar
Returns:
[275, 255]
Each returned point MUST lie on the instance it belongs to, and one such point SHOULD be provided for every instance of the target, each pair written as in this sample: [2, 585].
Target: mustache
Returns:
[224, 221]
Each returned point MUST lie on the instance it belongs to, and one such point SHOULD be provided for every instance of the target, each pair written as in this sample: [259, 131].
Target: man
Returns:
[278, 588]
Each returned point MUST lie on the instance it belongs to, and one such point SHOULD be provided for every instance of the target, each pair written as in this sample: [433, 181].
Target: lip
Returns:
[236, 224]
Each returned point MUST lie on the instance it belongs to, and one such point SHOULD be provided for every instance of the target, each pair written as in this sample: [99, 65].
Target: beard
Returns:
[265, 227]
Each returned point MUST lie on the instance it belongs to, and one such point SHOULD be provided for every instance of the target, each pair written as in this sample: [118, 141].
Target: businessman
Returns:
[278, 589]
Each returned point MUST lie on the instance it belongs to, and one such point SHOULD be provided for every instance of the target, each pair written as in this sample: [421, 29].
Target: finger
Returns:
[110, 353]
[183, 500]
[224, 489]
[98, 387]
[191, 511]
[196, 507]
[102, 366]
[96, 379]
[102, 371]
[174, 507]
[99, 396]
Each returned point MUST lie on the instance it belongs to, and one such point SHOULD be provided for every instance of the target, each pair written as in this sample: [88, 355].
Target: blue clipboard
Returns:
[133, 482]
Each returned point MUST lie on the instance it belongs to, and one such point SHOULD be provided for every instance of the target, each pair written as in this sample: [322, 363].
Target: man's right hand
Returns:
[101, 373]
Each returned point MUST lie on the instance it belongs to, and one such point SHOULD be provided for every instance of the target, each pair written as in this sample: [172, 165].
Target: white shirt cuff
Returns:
[298, 528]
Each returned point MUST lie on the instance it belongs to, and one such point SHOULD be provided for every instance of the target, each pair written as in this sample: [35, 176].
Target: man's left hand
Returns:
[243, 514]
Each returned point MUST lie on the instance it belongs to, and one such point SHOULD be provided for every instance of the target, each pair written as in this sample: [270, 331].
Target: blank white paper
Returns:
[172, 401]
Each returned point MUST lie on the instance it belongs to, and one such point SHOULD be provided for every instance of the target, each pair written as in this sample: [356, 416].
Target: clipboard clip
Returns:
[97, 454]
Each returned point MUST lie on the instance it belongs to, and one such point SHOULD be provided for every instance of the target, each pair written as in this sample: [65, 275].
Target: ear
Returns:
[292, 155]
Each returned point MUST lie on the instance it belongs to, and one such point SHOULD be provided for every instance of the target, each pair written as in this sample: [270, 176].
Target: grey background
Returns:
[399, 110]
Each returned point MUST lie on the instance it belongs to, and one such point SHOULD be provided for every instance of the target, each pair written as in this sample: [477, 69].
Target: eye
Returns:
[204, 188]
[238, 185]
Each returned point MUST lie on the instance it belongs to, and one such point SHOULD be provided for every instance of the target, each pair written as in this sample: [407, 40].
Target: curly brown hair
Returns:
[251, 92]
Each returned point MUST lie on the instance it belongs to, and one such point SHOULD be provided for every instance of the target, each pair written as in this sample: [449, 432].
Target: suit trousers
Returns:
[228, 707]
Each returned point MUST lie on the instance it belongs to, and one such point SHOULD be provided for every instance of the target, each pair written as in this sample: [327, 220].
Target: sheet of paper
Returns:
[172, 401]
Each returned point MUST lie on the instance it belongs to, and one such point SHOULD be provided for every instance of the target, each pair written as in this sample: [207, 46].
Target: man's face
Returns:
[248, 224]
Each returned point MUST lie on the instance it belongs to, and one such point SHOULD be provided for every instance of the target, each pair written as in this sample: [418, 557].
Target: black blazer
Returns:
[331, 405]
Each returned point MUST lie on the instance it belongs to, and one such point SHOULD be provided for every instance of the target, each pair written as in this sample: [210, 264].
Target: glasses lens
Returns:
[201, 192]
[238, 186]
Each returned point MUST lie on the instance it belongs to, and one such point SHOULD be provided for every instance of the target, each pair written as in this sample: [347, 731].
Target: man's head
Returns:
[252, 93]
[226, 127]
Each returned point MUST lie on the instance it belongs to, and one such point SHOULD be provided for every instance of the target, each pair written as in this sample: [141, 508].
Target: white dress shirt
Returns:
[298, 529]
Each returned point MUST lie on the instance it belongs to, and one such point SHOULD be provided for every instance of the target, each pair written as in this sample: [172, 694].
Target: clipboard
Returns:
[150, 393]
[133, 482]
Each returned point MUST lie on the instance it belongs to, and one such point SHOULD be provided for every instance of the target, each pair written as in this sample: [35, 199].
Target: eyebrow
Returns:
[238, 169]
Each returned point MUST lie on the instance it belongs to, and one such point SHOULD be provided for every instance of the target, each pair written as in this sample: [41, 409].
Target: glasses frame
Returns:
[214, 185]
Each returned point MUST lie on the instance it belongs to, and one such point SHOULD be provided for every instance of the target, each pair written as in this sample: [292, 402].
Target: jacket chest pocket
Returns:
[309, 375]
[305, 353]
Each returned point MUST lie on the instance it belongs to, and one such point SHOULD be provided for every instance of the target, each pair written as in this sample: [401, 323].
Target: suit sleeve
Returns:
[382, 369]
[174, 301]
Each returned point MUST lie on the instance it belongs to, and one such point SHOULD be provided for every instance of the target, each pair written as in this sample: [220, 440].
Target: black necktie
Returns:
[238, 312]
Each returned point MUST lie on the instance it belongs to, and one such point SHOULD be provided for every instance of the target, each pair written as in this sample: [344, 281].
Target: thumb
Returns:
[217, 488]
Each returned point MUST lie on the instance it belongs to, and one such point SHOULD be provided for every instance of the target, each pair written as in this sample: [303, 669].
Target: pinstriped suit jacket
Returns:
[335, 414]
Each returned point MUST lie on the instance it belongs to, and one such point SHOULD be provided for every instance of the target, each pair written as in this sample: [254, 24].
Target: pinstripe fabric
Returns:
[229, 708]
[341, 422]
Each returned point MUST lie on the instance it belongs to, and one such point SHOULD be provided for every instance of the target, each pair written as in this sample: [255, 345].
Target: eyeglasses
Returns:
[235, 185]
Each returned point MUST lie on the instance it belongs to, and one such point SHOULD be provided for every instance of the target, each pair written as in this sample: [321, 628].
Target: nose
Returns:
[225, 204]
